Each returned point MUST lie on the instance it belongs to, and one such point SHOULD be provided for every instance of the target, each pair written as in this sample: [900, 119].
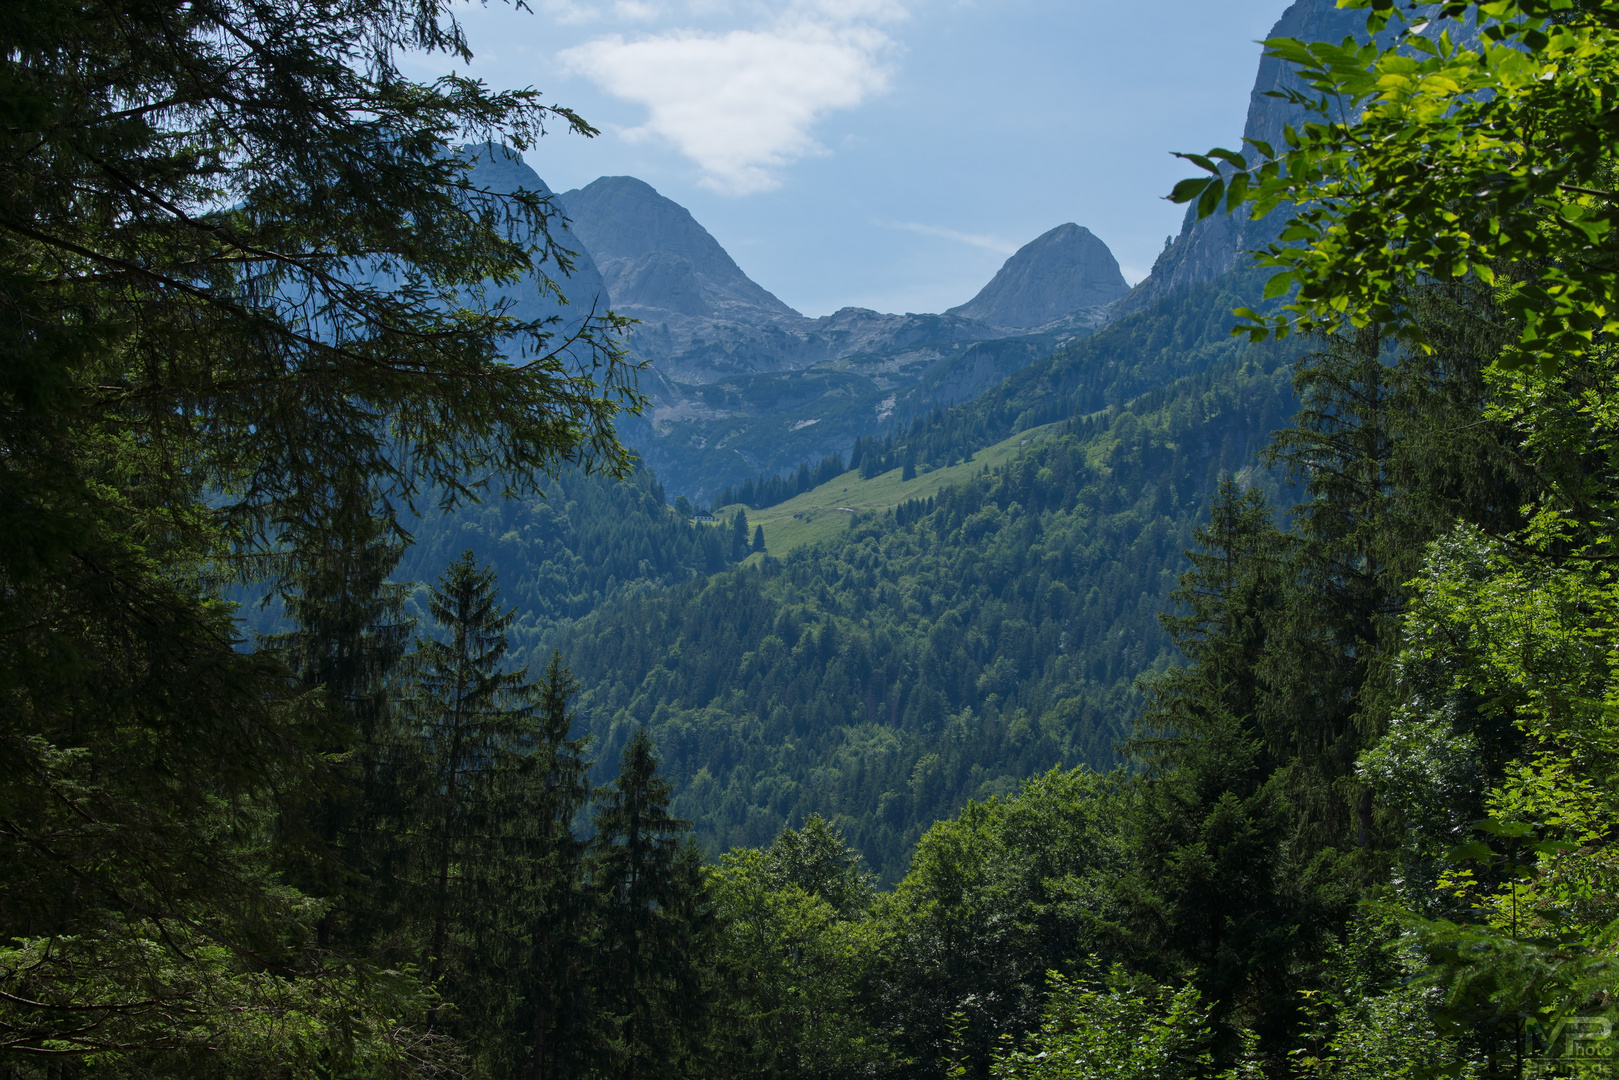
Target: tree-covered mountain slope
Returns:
[1183, 333]
[1175, 337]
[566, 550]
[942, 651]
[829, 509]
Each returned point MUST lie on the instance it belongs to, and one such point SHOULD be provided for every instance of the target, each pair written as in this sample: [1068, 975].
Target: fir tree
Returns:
[559, 1028]
[654, 921]
[350, 634]
[1209, 884]
[474, 774]
[739, 536]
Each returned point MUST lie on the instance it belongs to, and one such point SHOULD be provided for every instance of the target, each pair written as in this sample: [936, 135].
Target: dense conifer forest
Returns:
[1257, 719]
[936, 653]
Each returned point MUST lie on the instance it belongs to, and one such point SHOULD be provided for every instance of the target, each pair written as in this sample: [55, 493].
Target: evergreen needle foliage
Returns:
[241, 266]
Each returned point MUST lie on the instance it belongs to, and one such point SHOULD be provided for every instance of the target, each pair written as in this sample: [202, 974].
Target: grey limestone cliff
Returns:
[1065, 272]
[1208, 248]
[654, 255]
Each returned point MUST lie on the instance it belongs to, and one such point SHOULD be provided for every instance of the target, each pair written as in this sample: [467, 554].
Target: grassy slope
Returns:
[823, 512]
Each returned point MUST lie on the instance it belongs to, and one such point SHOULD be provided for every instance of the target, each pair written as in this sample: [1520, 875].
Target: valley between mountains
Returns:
[875, 566]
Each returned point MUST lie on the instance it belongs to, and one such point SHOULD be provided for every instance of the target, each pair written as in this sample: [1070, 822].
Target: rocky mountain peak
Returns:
[1058, 274]
[655, 255]
[1208, 248]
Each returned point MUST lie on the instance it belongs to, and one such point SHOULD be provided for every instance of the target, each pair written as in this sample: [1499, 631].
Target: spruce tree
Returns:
[350, 633]
[472, 775]
[1208, 884]
[739, 536]
[1328, 666]
[555, 1022]
[496, 887]
[655, 922]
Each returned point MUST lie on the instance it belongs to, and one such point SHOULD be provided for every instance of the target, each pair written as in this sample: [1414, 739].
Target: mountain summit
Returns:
[740, 383]
[1061, 273]
[654, 254]
[702, 320]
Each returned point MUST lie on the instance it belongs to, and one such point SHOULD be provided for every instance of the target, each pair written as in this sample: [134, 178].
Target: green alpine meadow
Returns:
[455, 629]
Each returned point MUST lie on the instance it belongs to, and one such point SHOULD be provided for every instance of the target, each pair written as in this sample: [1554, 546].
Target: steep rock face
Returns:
[655, 255]
[1060, 274]
[499, 169]
[1206, 249]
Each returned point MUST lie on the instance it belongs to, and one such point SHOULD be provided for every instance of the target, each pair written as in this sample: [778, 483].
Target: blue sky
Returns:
[886, 153]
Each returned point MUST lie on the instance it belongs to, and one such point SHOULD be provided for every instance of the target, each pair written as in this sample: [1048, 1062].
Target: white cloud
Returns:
[742, 103]
[979, 240]
[849, 11]
[570, 12]
[845, 11]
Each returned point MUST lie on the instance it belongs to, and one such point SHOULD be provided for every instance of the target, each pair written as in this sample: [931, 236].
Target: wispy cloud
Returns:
[979, 240]
[742, 103]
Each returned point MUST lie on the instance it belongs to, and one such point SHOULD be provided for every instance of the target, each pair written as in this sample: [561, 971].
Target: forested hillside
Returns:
[938, 652]
[933, 653]
[564, 549]
[1179, 335]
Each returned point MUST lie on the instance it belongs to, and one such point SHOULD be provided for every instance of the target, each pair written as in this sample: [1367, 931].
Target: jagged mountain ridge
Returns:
[740, 383]
[702, 319]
